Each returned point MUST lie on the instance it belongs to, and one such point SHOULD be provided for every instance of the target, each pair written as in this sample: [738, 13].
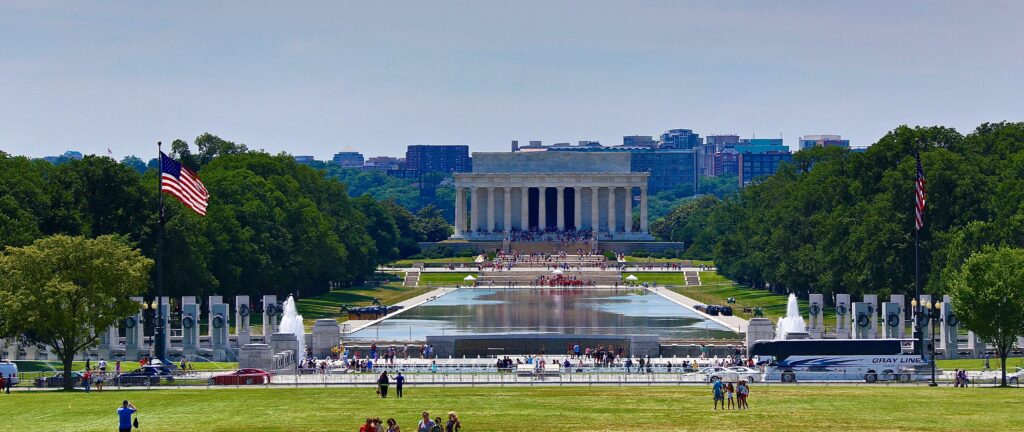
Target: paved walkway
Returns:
[351, 326]
[733, 322]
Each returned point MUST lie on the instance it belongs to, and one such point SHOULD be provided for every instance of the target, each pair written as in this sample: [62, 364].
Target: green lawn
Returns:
[630, 258]
[326, 305]
[444, 278]
[410, 262]
[1012, 364]
[781, 408]
[662, 279]
[51, 366]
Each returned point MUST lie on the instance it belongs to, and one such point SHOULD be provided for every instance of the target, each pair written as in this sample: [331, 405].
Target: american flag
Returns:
[920, 195]
[184, 184]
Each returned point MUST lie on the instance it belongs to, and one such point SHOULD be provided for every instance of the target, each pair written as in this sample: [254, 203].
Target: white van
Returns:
[7, 369]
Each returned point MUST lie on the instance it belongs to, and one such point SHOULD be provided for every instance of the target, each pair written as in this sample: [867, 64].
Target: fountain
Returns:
[792, 326]
[291, 322]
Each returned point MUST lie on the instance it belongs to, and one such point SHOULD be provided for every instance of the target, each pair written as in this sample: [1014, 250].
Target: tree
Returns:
[430, 225]
[135, 163]
[61, 291]
[988, 297]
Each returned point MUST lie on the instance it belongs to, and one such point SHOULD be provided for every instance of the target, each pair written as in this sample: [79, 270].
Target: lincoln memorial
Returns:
[545, 191]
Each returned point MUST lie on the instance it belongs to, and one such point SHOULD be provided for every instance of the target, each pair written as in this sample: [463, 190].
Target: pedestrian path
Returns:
[351, 326]
[731, 322]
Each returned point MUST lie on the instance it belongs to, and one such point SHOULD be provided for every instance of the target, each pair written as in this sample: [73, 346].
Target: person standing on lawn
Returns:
[399, 381]
[124, 416]
[718, 393]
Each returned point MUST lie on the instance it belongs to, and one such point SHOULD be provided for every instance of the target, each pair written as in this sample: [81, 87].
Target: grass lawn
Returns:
[630, 258]
[1012, 363]
[660, 278]
[444, 278]
[326, 305]
[52, 366]
[781, 408]
[410, 262]
[717, 288]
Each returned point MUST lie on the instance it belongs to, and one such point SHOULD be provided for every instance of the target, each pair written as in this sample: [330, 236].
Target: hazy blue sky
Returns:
[377, 76]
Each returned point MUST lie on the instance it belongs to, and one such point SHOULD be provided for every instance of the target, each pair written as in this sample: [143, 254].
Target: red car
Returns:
[242, 377]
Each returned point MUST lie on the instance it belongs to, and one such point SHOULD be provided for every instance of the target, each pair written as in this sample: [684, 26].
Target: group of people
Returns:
[734, 395]
[6, 383]
[374, 424]
[559, 280]
[553, 235]
[960, 378]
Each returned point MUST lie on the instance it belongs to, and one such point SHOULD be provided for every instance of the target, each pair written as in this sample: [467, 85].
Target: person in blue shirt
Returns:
[124, 415]
[426, 425]
[718, 393]
[399, 380]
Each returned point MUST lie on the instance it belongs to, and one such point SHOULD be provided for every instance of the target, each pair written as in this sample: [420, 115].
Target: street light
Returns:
[934, 315]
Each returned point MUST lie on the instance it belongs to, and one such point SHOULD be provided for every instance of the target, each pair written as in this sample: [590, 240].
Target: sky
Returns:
[312, 78]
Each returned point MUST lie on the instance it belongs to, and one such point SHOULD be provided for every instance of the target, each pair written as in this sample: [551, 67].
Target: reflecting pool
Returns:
[560, 311]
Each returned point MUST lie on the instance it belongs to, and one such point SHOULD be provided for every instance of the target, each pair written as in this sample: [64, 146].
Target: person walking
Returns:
[382, 384]
[124, 416]
[87, 380]
[2, 382]
[399, 382]
[717, 392]
[10, 382]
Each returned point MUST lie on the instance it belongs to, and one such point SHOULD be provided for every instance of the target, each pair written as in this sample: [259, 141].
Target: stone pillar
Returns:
[628, 213]
[283, 342]
[242, 313]
[326, 335]
[577, 207]
[901, 301]
[164, 317]
[595, 211]
[643, 210]
[460, 211]
[213, 300]
[219, 331]
[134, 336]
[108, 341]
[872, 301]
[842, 316]
[815, 309]
[611, 210]
[975, 345]
[507, 207]
[474, 214]
[490, 210]
[256, 356]
[560, 208]
[927, 328]
[948, 330]
[542, 208]
[524, 208]
[270, 320]
[189, 329]
[893, 323]
[861, 320]
[759, 329]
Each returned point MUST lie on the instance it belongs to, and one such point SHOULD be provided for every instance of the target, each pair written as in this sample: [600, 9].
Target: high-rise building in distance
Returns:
[423, 159]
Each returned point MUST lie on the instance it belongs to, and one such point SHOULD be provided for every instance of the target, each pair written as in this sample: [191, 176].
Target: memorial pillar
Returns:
[902, 305]
[507, 206]
[949, 330]
[242, 312]
[628, 213]
[270, 316]
[891, 318]
[595, 214]
[815, 308]
[190, 329]
[560, 210]
[643, 209]
[460, 202]
[474, 215]
[872, 301]
[577, 207]
[524, 208]
[842, 316]
[542, 209]
[490, 210]
[611, 210]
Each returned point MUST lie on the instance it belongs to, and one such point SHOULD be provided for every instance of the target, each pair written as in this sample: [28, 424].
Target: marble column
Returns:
[560, 210]
[490, 210]
[611, 210]
[474, 214]
[643, 209]
[460, 202]
[628, 214]
[524, 208]
[595, 213]
[577, 207]
[507, 206]
[542, 208]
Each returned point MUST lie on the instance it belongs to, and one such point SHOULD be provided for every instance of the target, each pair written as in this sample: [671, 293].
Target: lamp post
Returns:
[934, 315]
[149, 312]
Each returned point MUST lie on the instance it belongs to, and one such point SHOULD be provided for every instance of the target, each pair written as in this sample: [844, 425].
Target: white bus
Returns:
[870, 360]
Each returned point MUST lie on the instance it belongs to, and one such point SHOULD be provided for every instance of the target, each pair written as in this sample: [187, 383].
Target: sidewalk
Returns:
[733, 322]
[352, 326]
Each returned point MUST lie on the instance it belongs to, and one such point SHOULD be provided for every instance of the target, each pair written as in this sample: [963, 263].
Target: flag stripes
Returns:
[920, 195]
[183, 184]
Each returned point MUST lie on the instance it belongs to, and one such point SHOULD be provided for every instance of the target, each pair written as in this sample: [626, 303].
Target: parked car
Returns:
[57, 380]
[7, 369]
[242, 377]
[748, 374]
[713, 373]
[713, 310]
[725, 310]
[146, 375]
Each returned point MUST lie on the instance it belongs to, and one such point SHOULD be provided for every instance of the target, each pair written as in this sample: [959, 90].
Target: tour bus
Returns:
[839, 359]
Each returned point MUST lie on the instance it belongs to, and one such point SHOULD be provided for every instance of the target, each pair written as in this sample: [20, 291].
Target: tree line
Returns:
[836, 221]
[273, 225]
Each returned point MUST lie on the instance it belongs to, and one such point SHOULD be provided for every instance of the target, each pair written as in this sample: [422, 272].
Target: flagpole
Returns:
[160, 348]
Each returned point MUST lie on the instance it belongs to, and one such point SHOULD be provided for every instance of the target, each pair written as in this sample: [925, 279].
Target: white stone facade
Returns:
[490, 205]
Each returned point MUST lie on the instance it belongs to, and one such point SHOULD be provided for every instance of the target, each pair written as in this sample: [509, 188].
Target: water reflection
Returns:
[560, 311]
